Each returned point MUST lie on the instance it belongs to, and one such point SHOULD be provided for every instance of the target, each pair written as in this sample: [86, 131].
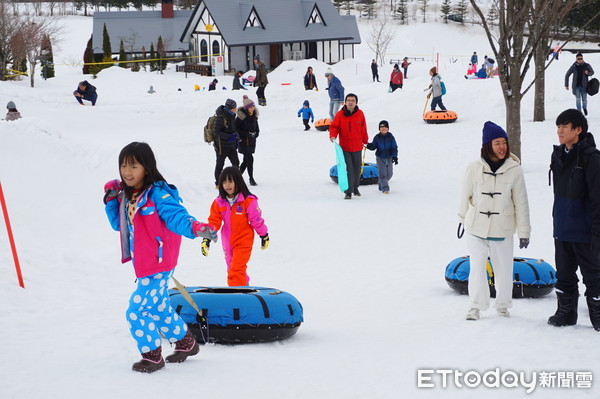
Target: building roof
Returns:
[141, 28]
[284, 21]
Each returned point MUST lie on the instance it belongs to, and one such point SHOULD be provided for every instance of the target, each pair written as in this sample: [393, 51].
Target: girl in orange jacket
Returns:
[236, 211]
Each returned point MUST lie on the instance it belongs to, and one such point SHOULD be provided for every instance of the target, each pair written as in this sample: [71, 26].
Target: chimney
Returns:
[167, 8]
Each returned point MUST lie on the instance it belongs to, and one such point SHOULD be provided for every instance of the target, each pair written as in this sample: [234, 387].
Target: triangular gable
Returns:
[316, 17]
[253, 20]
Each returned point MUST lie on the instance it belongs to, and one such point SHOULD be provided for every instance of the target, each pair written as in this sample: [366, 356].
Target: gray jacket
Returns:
[436, 86]
[574, 70]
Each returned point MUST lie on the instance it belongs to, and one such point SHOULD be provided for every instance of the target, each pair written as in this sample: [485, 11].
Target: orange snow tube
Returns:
[439, 116]
[323, 124]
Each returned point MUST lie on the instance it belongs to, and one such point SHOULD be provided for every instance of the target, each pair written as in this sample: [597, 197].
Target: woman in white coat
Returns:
[493, 206]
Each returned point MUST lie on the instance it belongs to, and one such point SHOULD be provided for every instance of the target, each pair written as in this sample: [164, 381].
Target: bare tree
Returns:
[423, 8]
[379, 39]
[9, 25]
[35, 31]
[514, 49]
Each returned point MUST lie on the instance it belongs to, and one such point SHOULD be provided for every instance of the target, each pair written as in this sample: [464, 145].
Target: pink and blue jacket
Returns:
[154, 238]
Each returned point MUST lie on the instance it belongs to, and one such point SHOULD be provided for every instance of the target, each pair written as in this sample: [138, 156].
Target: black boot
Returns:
[594, 308]
[151, 362]
[186, 346]
[566, 314]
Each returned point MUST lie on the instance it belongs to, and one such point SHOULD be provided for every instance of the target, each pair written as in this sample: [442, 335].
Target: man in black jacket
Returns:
[225, 136]
[581, 71]
[575, 168]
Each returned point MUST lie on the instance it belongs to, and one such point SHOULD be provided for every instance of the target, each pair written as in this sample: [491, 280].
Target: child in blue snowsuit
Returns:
[386, 153]
[307, 114]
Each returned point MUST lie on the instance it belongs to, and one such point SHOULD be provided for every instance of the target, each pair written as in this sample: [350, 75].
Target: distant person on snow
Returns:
[396, 80]
[12, 114]
[493, 206]
[350, 126]
[149, 216]
[261, 81]
[386, 153]
[246, 125]
[236, 213]
[307, 114]
[405, 65]
[85, 91]
[581, 72]
[375, 70]
[225, 137]
[336, 92]
[474, 59]
[310, 81]
[236, 81]
[489, 66]
[213, 85]
[436, 89]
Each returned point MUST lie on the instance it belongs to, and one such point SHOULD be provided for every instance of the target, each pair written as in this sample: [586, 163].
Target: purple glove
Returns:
[111, 190]
[204, 230]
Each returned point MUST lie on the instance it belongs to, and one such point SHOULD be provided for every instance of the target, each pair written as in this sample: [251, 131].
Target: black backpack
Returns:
[592, 87]
[491, 61]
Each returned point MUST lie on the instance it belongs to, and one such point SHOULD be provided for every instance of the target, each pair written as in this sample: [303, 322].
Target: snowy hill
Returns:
[369, 272]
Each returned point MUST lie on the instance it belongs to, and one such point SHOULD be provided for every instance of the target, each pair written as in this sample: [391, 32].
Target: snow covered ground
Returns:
[369, 272]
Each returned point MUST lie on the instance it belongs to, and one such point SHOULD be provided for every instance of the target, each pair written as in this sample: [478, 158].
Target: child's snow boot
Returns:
[593, 303]
[186, 346]
[566, 314]
[252, 182]
[151, 362]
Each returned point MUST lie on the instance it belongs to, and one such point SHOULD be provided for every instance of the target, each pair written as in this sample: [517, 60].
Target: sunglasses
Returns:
[579, 58]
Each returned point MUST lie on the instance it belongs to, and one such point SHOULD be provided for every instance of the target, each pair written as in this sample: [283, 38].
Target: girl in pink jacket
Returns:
[148, 214]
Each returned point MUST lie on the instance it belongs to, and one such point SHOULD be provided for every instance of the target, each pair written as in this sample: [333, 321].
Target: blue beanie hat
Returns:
[306, 103]
[492, 131]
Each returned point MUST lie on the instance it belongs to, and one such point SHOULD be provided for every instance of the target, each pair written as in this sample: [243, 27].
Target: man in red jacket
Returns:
[350, 125]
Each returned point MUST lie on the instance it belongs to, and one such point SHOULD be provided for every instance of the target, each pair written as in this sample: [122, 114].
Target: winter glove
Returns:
[401, 85]
[264, 241]
[595, 244]
[233, 138]
[332, 139]
[204, 230]
[312, 121]
[395, 160]
[370, 146]
[523, 243]
[111, 190]
[253, 134]
[205, 247]
[298, 115]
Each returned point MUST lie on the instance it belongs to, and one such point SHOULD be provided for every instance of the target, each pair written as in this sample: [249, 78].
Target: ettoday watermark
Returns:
[497, 378]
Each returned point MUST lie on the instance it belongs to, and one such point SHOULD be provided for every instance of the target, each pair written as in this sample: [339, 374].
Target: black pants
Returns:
[395, 86]
[375, 76]
[571, 255]
[353, 164]
[260, 93]
[222, 154]
[306, 125]
[248, 162]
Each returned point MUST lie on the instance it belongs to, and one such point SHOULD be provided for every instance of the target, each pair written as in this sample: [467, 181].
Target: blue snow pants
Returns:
[150, 313]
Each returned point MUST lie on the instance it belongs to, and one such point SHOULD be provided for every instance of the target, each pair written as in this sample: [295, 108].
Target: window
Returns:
[203, 51]
[315, 17]
[216, 49]
[253, 20]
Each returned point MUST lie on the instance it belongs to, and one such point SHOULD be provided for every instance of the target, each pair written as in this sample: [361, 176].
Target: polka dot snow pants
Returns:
[150, 313]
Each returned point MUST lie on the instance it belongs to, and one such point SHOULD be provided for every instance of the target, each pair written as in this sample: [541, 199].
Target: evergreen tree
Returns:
[152, 62]
[338, 4]
[461, 10]
[88, 57]
[402, 11]
[47, 58]
[21, 65]
[369, 8]
[144, 57]
[492, 16]
[423, 8]
[106, 50]
[135, 66]
[122, 55]
[446, 9]
[160, 49]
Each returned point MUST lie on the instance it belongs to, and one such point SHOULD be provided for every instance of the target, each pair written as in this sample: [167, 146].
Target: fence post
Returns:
[11, 238]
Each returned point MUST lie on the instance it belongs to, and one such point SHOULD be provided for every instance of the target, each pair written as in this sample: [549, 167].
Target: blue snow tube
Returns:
[233, 315]
[532, 278]
[370, 174]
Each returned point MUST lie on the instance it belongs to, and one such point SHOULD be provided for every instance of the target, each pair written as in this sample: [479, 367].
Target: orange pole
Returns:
[11, 238]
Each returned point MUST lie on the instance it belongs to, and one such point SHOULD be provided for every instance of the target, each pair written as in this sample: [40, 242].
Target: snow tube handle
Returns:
[460, 233]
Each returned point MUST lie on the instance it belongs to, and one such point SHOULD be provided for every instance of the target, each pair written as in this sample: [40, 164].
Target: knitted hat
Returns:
[230, 104]
[215, 81]
[396, 66]
[384, 123]
[328, 72]
[248, 103]
[10, 105]
[492, 131]
[306, 103]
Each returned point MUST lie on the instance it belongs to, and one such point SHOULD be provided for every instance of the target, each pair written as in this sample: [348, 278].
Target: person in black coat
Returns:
[310, 82]
[225, 137]
[85, 91]
[247, 128]
[575, 167]
[236, 81]
[374, 70]
[213, 85]
[581, 71]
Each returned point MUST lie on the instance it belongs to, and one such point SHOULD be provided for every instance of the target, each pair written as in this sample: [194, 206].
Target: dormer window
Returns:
[315, 17]
[253, 20]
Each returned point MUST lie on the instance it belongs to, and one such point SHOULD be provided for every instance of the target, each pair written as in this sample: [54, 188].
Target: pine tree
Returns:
[106, 49]
[461, 10]
[122, 55]
[160, 49]
[88, 57]
[21, 65]
[423, 8]
[402, 11]
[446, 9]
[135, 66]
[48, 58]
[153, 66]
